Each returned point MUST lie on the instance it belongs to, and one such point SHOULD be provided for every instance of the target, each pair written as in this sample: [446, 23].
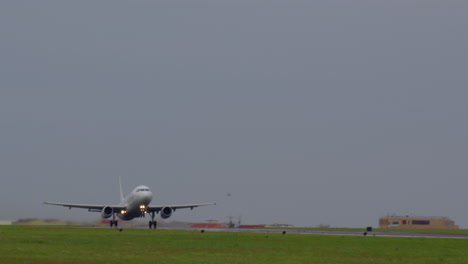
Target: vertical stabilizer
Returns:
[121, 192]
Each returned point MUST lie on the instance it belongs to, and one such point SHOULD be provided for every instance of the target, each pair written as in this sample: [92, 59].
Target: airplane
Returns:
[136, 204]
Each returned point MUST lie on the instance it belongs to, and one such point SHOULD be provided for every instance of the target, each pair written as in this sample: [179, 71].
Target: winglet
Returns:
[121, 192]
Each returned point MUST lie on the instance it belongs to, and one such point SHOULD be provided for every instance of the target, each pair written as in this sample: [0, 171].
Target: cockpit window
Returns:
[143, 190]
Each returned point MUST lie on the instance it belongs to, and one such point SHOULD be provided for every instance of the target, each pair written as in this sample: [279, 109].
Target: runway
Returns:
[331, 232]
[307, 231]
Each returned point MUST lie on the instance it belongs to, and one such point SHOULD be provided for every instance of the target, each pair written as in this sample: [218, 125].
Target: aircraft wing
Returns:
[90, 207]
[158, 208]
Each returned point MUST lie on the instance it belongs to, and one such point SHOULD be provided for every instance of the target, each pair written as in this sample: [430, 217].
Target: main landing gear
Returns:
[113, 222]
[152, 223]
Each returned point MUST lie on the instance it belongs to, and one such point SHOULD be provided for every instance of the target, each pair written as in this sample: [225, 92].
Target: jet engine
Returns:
[166, 212]
[107, 212]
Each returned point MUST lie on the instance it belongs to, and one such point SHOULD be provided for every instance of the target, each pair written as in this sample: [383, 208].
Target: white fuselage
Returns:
[136, 203]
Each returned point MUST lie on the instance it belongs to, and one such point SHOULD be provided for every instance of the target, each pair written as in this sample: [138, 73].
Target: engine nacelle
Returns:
[166, 212]
[107, 212]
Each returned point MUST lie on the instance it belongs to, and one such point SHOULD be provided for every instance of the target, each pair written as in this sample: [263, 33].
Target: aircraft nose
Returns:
[147, 196]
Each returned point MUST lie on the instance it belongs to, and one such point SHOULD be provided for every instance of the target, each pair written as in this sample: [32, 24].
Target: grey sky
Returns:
[307, 112]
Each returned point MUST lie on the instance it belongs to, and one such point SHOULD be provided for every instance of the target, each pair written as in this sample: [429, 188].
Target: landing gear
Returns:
[152, 223]
[114, 223]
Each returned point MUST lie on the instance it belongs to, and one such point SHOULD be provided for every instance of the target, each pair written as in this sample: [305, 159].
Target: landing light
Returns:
[123, 212]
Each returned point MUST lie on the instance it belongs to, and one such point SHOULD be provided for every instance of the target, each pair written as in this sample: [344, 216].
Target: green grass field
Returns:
[25, 244]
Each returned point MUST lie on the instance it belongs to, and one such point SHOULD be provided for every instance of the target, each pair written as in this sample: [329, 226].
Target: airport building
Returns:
[416, 222]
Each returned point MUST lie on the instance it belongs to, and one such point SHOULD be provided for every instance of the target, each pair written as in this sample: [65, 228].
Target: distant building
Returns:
[417, 222]
[5, 222]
